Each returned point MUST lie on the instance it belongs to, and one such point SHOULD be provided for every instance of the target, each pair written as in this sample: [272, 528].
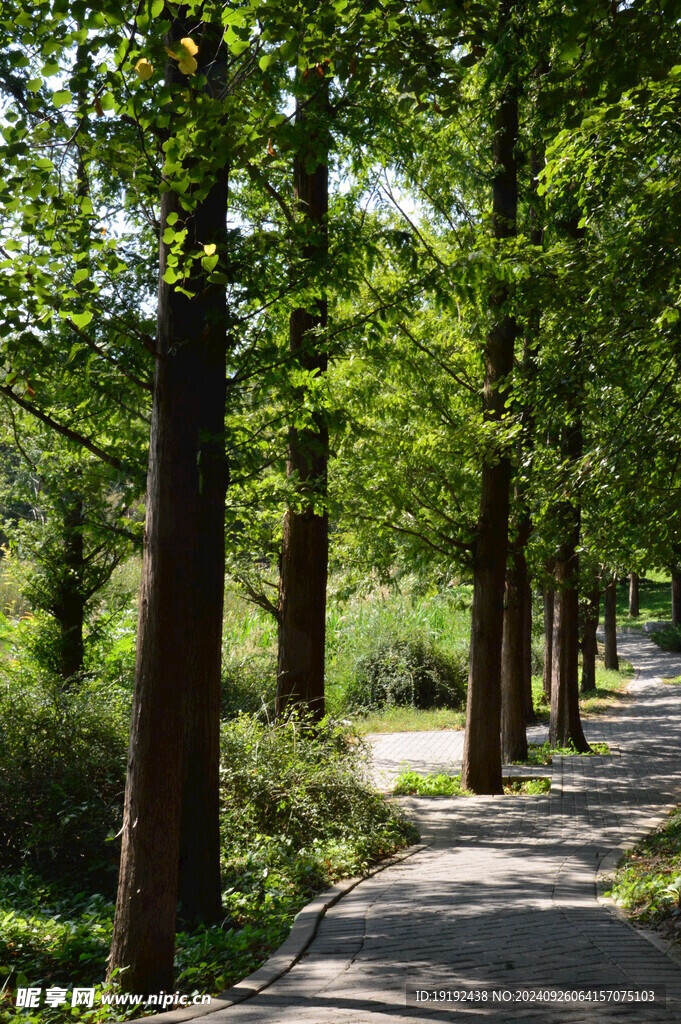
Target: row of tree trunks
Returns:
[481, 767]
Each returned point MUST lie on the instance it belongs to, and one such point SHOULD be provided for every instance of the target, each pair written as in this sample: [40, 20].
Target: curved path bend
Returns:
[505, 894]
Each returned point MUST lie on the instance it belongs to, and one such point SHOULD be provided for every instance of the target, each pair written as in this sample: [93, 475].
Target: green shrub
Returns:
[304, 790]
[401, 667]
[669, 638]
[62, 776]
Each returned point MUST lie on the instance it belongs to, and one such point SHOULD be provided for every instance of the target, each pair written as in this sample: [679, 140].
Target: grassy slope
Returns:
[655, 601]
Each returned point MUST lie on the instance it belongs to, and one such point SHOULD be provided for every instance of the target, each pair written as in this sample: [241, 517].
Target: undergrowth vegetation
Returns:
[648, 884]
[297, 811]
[411, 783]
[296, 814]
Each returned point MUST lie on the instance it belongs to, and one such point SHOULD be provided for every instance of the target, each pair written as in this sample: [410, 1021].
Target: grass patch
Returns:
[527, 787]
[543, 754]
[671, 681]
[647, 885]
[410, 719]
[410, 783]
[654, 598]
[608, 693]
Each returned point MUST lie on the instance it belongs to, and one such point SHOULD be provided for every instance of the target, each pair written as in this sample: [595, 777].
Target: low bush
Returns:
[303, 790]
[399, 667]
[62, 776]
[669, 638]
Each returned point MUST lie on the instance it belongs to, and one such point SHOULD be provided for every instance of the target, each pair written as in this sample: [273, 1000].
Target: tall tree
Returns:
[610, 623]
[481, 767]
[178, 654]
[305, 542]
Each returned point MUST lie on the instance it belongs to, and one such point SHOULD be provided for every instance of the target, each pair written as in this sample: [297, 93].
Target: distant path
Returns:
[505, 896]
[438, 751]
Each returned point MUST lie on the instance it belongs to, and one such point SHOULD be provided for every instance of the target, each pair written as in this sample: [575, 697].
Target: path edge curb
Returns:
[303, 931]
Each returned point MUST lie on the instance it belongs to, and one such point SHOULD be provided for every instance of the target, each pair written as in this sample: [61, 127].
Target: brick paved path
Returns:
[505, 896]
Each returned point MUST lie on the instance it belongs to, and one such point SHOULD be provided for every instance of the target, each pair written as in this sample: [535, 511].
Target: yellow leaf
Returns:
[190, 46]
[188, 65]
[144, 69]
[209, 249]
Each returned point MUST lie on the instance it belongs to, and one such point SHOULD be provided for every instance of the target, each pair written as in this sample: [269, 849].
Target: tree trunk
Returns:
[175, 719]
[589, 642]
[610, 624]
[565, 727]
[676, 597]
[305, 542]
[549, 599]
[530, 716]
[513, 735]
[70, 611]
[481, 767]
[633, 595]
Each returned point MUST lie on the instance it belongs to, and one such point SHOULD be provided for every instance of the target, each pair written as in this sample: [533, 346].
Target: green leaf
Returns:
[266, 60]
[81, 319]
[61, 98]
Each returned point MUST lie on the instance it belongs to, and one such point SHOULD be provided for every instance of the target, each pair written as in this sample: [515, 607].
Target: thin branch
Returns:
[72, 435]
[259, 178]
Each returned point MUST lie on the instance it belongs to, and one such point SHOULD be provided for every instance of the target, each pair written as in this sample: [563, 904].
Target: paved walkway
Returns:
[425, 752]
[504, 897]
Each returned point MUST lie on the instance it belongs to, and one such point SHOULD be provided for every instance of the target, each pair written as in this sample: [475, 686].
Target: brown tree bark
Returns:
[305, 543]
[530, 716]
[610, 624]
[481, 767]
[633, 595]
[175, 722]
[549, 598]
[513, 734]
[676, 597]
[589, 642]
[565, 726]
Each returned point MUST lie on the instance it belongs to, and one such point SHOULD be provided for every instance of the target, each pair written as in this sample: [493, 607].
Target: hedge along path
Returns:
[505, 896]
